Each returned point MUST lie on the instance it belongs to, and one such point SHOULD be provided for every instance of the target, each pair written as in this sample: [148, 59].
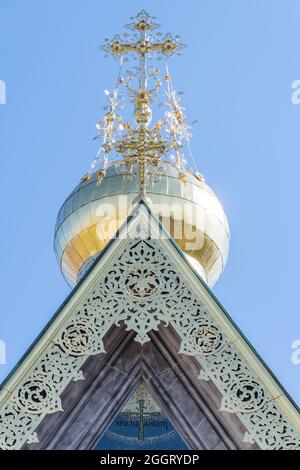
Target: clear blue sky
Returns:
[237, 71]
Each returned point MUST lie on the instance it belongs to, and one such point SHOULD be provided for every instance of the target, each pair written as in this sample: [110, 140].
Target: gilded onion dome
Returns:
[148, 163]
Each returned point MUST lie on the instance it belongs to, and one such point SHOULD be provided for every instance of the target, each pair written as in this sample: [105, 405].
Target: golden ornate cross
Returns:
[143, 24]
[142, 145]
[142, 46]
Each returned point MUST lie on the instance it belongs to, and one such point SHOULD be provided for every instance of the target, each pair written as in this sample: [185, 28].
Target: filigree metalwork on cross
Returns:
[139, 144]
[143, 43]
[142, 145]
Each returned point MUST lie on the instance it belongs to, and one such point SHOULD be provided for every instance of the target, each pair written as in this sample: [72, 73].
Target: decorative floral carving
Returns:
[37, 395]
[16, 426]
[202, 338]
[143, 289]
[244, 394]
[80, 339]
[270, 429]
[141, 283]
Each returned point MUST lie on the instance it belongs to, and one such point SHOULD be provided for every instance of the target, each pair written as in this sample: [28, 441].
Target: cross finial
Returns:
[141, 144]
[145, 43]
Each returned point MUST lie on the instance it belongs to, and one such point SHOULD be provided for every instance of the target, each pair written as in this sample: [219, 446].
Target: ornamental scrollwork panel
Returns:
[40, 392]
[202, 338]
[16, 426]
[270, 429]
[241, 389]
[144, 290]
